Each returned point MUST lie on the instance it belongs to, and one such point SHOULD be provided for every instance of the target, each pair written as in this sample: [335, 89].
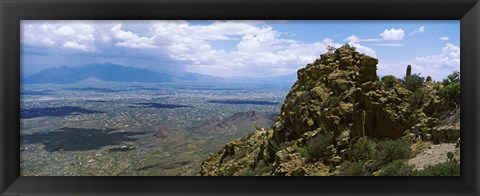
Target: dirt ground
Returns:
[434, 154]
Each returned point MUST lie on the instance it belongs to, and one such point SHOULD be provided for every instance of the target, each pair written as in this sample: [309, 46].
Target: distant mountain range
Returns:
[103, 72]
[117, 73]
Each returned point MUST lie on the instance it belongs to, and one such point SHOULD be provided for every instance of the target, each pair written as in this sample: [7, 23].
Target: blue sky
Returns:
[239, 48]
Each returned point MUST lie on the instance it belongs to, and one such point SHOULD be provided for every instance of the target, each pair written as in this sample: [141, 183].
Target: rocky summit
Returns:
[338, 102]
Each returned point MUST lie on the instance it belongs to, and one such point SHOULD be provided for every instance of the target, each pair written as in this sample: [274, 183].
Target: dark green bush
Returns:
[364, 149]
[303, 151]
[229, 171]
[451, 89]
[273, 146]
[316, 146]
[263, 168]
[413, 82]
[348, 168]
[260, 169]
[330, 49]
[248, 172]
[452, 78]
[417, 98]
[390, 150]
[397, 168]
[389, 81]
[441, 169]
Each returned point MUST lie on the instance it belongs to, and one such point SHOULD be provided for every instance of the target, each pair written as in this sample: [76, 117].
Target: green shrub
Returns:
[417, 98]
[364, 149]
[397, 168]
[441, 169]
[348, 168]
[229, 171]
[272, 145]
[451, 89]
[390, 150]
[303, 152]
[330, 49]
[263, 168]
[248, 172]
[413, 82]
[452, 78]
[316, 146]
[389, 81]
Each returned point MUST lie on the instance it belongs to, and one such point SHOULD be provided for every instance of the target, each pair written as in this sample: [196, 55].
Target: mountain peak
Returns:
[103, 71]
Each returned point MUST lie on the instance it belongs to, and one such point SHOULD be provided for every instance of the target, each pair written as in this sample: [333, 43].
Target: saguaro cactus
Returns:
[429, 79]
[409, 70]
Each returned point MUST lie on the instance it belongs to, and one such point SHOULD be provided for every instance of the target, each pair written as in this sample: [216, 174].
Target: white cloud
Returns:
[64, 30]
[260, 50]
[444, 38]
[74, 35]
[328, 41]
[393, 34]
[48, 42]
[364, 49]
[255, 48]
[419, 30]
[370, 40]
[450, 57]
[356, 39]
[390, 45]
[74, 45]
[105, 38]
[45, 27]
[129, 39]
[437, 66]
[353, 39]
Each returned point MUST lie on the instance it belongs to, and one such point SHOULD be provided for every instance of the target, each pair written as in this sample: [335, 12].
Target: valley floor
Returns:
[138, 129]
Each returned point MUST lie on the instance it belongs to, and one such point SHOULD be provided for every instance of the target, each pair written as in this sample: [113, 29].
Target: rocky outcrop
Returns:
[238, 156]
[449, 130]
[334, 91]
[341, 95]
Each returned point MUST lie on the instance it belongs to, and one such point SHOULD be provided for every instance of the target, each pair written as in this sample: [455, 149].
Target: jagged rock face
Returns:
[333, 92]
[289, 163]
[338, 94]
[238, 156]
[449, 130]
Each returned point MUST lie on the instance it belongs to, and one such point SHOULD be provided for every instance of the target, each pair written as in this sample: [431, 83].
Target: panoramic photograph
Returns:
[240, 98]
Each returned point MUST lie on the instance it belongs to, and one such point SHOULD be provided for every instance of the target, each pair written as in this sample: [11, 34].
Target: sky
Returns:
[239, 48]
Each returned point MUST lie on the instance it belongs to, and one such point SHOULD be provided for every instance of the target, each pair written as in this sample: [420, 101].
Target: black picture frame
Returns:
[12, 11]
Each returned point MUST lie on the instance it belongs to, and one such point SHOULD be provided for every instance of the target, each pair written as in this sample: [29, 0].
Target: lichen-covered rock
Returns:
[334, 91]
[289, 163]
[449, 130]
[339, 94]
[238, 155]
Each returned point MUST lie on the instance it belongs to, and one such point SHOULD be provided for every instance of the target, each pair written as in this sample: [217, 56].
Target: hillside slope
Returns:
[338, 104]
